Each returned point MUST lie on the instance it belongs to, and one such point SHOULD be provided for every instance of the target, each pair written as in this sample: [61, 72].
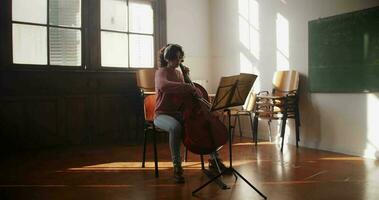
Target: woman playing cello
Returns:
[168, 83]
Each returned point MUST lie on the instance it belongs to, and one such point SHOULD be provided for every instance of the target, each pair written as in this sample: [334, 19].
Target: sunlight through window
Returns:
[254, 28]
[133, 166]
[249, 26]
[243, 8]
[247, 67]
[244, 32]
[282, 43]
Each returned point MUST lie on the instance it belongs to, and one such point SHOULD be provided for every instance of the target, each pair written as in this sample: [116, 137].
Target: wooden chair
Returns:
[281, 104]
[145, 81]
[247, 110]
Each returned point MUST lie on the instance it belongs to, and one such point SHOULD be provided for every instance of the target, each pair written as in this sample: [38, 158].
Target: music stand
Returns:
[232, 91]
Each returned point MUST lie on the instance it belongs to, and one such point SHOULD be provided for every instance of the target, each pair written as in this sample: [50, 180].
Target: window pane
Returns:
[30, 11]
[114, 15]
[29, 44]
[65, 47]
[65, 12]
[114, 49]
[141, 51]
[141, 17]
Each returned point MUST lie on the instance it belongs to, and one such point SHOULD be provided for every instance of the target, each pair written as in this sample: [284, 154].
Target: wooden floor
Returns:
[113, 172]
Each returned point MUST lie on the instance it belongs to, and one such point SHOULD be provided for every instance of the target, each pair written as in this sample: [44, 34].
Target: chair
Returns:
[145, 81]
[247, 110]
[281, 104]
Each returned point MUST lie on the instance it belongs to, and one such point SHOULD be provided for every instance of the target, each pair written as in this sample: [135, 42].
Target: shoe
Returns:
[178, 174]
[213, 166]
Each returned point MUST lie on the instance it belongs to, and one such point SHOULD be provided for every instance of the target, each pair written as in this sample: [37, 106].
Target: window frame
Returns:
[90, 38]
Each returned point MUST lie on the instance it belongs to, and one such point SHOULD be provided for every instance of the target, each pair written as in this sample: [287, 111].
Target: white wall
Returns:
[338, 122]
[209, 33]
[188, 25]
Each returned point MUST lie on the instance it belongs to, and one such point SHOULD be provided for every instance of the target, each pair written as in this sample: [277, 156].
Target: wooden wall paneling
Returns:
[12, 123]
[124, 84]
[116, 83]
[29, 122]
[102, 117]
[127, 119]
[92, 128]
[137, 120]
[42, 123]
[69, 108]
[112, 119]
[42, 83]
[76, 119]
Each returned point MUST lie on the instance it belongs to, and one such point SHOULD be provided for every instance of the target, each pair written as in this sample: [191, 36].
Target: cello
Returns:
[203, 132]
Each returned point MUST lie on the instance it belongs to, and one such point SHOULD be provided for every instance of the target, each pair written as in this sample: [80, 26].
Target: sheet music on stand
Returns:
[232, 91]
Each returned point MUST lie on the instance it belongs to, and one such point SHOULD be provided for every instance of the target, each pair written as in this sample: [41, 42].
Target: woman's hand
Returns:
[186, 70]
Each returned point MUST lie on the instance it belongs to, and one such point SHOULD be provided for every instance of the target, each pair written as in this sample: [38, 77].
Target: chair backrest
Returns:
[146, 79]
[146, 82]
[249, 106]
[285, 82]
[149, 106]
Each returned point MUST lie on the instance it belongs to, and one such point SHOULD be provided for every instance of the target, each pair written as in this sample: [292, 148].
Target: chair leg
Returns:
[255, 132]
[185, 154]
[269, 130]
[297, 136]
[297, 124]
[239, 125]
[234, 126]
[282, 131]
[155, 153]
[144, 148]
[297, 113]
[202, 162]
[251, 125]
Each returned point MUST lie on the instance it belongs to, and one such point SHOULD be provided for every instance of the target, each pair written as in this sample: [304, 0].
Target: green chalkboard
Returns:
[344, 52]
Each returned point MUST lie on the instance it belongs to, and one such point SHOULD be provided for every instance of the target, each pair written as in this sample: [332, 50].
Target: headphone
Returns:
[168, 49]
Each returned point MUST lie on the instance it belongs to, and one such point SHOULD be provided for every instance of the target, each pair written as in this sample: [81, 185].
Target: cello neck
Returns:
[187, 79]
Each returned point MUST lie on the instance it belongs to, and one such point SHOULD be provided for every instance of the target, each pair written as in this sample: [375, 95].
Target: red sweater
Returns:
[168, 82]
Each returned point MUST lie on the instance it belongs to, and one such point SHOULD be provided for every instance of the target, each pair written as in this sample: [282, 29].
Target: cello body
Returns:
[203, 132]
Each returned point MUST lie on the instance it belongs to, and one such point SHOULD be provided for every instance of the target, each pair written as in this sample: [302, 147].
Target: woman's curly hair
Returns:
[168, 53]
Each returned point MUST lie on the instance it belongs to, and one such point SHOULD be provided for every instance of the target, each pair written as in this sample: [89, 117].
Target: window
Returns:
[67, 33]
[47, 32]
[127, 33]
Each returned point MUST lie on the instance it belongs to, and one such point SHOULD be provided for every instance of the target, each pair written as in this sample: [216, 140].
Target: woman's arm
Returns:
[166, 86]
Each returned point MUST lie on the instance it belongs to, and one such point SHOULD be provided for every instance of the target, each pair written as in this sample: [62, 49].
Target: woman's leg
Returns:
[174, 128]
